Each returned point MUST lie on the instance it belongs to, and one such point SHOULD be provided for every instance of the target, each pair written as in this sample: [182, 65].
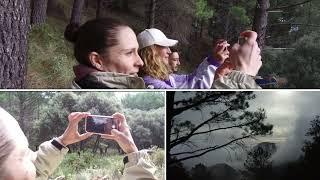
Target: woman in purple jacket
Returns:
[154, 51]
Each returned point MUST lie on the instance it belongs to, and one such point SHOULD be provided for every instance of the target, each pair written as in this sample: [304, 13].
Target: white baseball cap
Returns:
[153, 36]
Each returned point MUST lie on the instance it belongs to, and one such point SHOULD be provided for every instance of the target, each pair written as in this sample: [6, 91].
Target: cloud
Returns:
[289, 111]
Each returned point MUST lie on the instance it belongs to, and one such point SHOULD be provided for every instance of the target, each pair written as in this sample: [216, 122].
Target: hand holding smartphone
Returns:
[245, 55]
[98, 124]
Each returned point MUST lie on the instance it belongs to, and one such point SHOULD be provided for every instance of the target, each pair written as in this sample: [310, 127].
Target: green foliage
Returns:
[101, 104]
[89, 166]
[147, 127]
[258, 163]
[50, 58]
[62, 104]
[203, 11]
[46, 117]
[144, 100]
[301, 66]
[158, 159]
[239, 15]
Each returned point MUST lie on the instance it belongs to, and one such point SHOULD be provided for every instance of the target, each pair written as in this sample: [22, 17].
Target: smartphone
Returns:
[98, 124]
[242, 40]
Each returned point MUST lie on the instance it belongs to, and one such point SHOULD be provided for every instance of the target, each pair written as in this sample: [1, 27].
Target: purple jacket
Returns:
[201, 78]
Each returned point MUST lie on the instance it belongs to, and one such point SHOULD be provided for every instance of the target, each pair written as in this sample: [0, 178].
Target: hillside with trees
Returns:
[224, 135]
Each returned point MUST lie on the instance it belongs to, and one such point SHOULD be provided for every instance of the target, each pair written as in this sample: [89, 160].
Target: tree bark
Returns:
[14, 25]
[151, 13]
[260, 21]
[290, 6]
[76, 11]
[98, 11]
[125, 5]
[39, 12]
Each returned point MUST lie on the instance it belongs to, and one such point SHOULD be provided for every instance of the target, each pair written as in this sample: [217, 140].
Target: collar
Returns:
[109, 80]
[81, 71]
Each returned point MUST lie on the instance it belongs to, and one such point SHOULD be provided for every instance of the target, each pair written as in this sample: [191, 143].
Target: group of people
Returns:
[111, 56]
[18, 162]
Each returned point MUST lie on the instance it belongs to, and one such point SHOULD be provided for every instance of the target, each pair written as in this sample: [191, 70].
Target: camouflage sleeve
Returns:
[236, 80]
[139, 167]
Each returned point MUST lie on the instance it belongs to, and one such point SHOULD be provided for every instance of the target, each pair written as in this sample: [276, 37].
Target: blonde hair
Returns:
[11, 136]
[153, 64]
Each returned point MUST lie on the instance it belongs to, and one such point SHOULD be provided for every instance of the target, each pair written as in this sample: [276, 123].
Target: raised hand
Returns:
[123, 135]
[71, 134]
[246, 57]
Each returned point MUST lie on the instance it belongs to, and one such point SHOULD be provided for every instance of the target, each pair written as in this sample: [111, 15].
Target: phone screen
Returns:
[100, 124]
[242, 40]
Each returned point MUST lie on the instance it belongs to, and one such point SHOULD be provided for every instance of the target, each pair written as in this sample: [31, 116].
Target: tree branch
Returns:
[185, 138]
[290, 6]
[182, 109]
[224, 128]
[300, 24]
[209, 149]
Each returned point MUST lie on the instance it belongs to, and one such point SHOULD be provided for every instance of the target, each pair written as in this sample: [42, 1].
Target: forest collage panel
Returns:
[36, 54]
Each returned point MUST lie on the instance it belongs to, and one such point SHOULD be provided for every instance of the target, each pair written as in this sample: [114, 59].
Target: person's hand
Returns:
[224, 69]
[123, 135]
[246, 57]
[71, 134]
[221, 52]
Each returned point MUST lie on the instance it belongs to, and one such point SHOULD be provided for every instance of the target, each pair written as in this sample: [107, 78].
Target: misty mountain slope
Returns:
[224, 172]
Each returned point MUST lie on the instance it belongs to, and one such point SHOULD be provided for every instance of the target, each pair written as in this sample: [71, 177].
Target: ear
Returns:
[96, 60]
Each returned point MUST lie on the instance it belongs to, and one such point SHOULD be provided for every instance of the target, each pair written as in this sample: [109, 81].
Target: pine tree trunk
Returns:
[151, 13]
[98, 11]
[125, 5]
[260, 21]
[14, 25]
[39, 12]
[76, 11]
[201, 27]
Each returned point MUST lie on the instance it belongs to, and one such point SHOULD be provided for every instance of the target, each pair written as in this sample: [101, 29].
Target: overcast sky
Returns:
[289, 111]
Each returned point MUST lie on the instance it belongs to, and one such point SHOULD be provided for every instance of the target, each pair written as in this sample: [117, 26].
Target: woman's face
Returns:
[164, 53]
[19, 165]
[124, 57]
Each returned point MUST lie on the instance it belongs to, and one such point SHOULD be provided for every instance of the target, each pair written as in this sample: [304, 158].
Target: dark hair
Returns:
[217, 41]
[175, 49]
[94, 36]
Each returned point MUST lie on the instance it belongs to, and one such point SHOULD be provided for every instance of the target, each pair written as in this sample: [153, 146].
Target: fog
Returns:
[289, 111]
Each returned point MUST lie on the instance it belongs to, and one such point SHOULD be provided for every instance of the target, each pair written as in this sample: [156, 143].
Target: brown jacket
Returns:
[236, 80]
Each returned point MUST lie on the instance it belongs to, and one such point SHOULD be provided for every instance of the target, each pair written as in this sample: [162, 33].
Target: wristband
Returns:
[125, 160]
[56, 144]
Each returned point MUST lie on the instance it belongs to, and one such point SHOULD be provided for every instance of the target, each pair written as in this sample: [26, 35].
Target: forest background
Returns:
[43, 116]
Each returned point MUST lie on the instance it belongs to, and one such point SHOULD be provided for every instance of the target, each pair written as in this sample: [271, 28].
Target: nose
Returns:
[139, 61]
[178, 62]
[168, 50]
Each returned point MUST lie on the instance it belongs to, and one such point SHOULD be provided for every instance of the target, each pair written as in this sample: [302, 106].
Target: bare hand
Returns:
[221, 52]
[224, 69]
[247, 58]
[71, 134]
[123, 135]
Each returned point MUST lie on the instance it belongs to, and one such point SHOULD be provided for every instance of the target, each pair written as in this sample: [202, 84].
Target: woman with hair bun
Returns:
[107, 52]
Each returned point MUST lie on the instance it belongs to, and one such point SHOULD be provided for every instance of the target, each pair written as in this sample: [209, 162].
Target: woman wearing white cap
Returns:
[246, 59]
[154, 51]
